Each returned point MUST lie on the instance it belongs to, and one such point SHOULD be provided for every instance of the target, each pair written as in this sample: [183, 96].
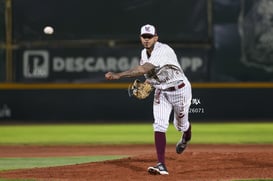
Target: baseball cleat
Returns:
[183, 142]
[159, 169]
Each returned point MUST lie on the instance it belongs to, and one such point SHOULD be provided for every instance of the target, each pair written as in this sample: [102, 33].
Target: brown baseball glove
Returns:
[140, 90]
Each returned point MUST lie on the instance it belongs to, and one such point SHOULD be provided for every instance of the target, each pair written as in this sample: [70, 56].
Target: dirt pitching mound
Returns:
[199, 162]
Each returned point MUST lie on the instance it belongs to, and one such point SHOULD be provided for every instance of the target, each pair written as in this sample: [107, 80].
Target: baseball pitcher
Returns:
[172, 91]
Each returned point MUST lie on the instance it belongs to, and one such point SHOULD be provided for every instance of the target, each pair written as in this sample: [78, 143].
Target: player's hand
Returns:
[112, 76]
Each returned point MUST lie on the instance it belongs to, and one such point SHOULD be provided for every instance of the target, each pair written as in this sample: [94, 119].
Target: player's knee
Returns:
[160, 127]
[182, 126]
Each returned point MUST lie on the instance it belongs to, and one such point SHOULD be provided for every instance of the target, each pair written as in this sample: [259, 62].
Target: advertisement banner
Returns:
[90, 64]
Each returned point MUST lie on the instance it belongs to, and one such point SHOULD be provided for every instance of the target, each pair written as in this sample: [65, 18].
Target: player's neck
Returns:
[149, 51]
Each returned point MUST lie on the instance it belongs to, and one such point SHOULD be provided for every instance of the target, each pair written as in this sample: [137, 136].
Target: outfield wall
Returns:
[87, 104]
[60, 77]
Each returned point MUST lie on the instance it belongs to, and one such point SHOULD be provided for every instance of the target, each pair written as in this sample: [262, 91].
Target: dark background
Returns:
[176, 20]
[219, 41]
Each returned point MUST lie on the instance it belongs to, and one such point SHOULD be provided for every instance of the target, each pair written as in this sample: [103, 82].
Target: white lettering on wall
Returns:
[5, 111]
[36, 63]
[92, 64]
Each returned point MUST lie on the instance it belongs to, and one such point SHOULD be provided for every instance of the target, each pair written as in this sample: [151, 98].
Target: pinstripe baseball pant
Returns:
[179, 101]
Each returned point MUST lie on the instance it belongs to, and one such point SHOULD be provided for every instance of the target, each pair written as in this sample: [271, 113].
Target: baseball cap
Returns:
[148, 29]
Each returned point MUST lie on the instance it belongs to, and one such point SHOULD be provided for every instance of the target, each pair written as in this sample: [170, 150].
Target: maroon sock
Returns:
[160, 144]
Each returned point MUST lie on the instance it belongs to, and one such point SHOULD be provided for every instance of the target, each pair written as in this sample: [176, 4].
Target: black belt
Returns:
[175, 87]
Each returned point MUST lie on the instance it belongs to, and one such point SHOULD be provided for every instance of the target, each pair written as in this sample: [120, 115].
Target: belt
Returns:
[175, 87]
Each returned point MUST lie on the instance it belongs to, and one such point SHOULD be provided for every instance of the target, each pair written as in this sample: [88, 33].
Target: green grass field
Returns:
[80, 134]
[67, 134]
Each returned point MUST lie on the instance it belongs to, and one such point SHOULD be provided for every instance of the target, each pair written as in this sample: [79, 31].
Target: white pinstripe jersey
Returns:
[168, 71]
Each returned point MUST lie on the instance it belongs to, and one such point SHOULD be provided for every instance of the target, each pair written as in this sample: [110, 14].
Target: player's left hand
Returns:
[112, 76]
[140, 90]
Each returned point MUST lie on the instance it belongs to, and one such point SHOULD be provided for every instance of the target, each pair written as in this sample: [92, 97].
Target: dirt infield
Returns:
[199, 162]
